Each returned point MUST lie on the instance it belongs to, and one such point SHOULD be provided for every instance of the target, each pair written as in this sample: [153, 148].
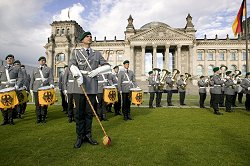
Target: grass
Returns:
[164, 136]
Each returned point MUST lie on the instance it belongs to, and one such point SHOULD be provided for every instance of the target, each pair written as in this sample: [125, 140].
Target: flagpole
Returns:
[246, 37]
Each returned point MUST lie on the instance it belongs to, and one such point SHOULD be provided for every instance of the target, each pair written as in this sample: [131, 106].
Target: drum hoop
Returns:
[7, 90]
[45, 88]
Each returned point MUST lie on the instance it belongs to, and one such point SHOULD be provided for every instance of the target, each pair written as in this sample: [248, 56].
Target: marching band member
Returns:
[117, 105]
[41, 76]
[245, 84]
[211, 90]
[169, 87]
[61, 88]
[182, 90]
[202, 91]
[158, 91]
[222, 96]
[68, 81]
[84, 66]
[151, 88]
[217, 90]
[126, 80]
[10, 76]
[230, 86]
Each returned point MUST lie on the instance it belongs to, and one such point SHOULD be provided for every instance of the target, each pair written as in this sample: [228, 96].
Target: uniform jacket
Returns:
[61, 82]
[35, 80]
[26, 79]
[124, 82]
[217, 84]
[15, 74]
[202, 86]
[151, 84]
[104, 80]
[94, 59]
[229, 87]
[114, 79]
[68, 81]
[211, 86]
[169, 83]
[245, 84]
[180, 84]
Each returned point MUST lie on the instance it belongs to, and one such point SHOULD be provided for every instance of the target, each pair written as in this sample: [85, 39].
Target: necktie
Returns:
[41, 68]
[87, 51]
[127, 71]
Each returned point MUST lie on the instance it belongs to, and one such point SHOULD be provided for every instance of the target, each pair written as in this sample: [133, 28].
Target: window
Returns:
[210, 56]
[233, 56]
[210, 70]
[60, 70]
[60, 57]
[244, 56]
[222, 56]
[199, 70]
[62, 31]
[110, 58]
[57, 31]
[199, 56]
[243, 70]
[119, 57]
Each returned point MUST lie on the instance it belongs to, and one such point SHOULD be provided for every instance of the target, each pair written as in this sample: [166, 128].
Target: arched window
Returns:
[60, 57]
[57, 31]
[62, 31]
[210, 70]
[199, 70]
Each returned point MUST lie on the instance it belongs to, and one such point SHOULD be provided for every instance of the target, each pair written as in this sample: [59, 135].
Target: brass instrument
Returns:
[223, 69]
[174, 75]
[156, 72]
[187, 76]
[163, 76]
[237, 74]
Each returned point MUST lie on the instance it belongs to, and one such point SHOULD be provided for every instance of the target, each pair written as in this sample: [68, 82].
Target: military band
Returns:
[246, 88]
[202, 83]
[181, 84]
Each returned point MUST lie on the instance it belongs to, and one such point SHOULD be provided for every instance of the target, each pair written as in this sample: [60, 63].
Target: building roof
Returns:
[154, 24]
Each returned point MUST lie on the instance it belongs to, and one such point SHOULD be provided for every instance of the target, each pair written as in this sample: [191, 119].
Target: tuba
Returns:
[174, 75]
[163, 76]
[156, 72]
[187, 76]
[223, 69]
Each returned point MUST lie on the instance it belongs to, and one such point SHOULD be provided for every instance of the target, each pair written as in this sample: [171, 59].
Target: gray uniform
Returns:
[245, 85]
[182, 91]
[36, 78]
[229, 87]
[151, 84]
[95, 59]
[126, 80]
[170, 83]
[217, 84]
[202, 86]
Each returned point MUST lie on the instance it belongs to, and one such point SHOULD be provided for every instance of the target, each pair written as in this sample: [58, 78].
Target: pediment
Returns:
[161, 33]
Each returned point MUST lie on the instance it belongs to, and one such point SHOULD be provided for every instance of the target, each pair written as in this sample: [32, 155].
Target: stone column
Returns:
[228, 57]
[191, 59]
[205, 63]
[154, 56]
[178, 58]
[132, 58]
[166, 63]
[217, 56]
[143, 50]
[115, 57]
[239, 59]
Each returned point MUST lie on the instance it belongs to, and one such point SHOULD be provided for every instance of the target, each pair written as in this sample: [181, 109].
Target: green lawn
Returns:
[165, 136]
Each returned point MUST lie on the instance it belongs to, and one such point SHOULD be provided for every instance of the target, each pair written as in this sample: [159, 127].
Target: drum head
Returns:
[44, 88]
[109, 87]
[135, 89]
[7, 89]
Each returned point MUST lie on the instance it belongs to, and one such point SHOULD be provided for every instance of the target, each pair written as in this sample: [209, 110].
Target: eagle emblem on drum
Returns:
[48, 97]
[6, 100]
[112, 95]
[138, 97]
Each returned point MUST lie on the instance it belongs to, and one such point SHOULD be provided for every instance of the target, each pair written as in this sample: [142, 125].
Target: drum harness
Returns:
[9, 81]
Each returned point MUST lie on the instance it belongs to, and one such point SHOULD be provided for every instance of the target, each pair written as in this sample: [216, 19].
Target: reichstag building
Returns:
[155, 44]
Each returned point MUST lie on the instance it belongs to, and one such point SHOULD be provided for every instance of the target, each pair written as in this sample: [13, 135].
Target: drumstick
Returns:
[106, 138]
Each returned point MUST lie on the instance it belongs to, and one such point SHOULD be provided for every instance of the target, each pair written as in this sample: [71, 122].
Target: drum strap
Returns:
[41, 73]
[127, 77]
[83, 57]
[7, 75]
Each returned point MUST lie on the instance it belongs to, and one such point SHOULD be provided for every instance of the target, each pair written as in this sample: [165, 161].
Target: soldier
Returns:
[182, 89]
[68, 81]
[61, 88]
[158, 91]
[117, 105]
[217, 90]
[41, 76]
[230, 86]
[26, 85]
[10, 76]
[84, 66]
[126, 80]
[169, 87]
[222, 96]
[245, 84]
[211, 90]
[151, 88]
[202, 91]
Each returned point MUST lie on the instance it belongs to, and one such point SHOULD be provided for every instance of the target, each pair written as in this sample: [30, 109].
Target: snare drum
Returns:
[8, 98]
[22, 95]
[110, 94]
[136, 96]
[46, 95]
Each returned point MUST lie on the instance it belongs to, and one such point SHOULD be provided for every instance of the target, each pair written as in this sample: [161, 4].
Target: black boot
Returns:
[129, 117]
[218, 113]
[79, 141]
[125, 117]
[88, 138]
[70, 119]
[38, 119]
[11, 122]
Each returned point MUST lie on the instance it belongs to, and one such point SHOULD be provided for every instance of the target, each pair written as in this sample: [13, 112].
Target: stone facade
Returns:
[155, 44]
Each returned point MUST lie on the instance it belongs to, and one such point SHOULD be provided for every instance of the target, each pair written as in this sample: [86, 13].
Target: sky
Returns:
[25, 25]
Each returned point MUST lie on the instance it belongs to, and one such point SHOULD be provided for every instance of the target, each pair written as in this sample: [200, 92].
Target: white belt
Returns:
[84, 72]
[12, 81]
[126, 82]
[217, 85]
[102, 81]
[37, 79]
[115, 84]
[70, 80]
[202, 87]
